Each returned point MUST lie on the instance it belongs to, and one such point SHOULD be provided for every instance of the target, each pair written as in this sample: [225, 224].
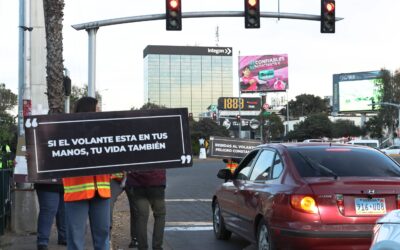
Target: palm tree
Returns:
[53, 17]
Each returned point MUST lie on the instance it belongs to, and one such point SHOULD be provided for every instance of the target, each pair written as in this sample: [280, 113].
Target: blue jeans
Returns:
[51, 205]
[77, 213]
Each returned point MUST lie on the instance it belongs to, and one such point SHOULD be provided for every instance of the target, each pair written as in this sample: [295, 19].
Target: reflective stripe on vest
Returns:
[84, 187]
[117, 176]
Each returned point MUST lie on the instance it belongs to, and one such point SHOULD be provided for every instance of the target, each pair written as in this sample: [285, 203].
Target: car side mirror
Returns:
[225, 174]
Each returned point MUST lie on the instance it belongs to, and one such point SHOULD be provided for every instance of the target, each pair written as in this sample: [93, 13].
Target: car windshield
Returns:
[343, 162]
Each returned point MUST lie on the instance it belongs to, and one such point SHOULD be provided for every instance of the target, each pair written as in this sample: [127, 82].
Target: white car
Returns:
[387, 232]
[392, 150]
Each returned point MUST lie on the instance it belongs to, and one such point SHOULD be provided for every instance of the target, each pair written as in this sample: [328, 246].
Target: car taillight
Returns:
[398, 201]
[304, 203]
[340, 203]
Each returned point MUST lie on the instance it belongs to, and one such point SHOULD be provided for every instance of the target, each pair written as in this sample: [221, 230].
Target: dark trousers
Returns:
[143, 199]
[129, 194]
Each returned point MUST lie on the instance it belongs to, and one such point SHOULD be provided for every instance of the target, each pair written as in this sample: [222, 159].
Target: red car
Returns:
[307, 196]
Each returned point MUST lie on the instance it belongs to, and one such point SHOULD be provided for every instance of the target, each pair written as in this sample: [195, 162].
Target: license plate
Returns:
[365, 206]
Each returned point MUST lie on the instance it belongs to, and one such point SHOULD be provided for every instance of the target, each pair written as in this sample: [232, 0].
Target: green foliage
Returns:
[345, 128]
[275, 129]
[305, 105]
[204, 128]
[390, 93]
[374, 127]
[314, 126]
[8, 99]
[8, 126]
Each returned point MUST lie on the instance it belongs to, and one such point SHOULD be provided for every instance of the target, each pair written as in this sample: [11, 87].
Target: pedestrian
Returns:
[51, 204]
[148, 190]
[87, 196]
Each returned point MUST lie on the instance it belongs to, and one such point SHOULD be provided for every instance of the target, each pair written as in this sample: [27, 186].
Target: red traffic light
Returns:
[330, 7]
[173, 4]
[252, 2]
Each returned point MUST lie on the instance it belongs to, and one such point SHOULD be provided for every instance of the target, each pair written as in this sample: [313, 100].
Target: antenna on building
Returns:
[217, 36]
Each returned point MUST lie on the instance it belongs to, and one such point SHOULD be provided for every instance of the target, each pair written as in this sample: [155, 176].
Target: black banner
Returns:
[66, 145]
[223, 147]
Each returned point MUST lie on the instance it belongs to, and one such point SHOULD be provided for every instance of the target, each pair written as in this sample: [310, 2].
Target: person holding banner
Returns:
[87, 196]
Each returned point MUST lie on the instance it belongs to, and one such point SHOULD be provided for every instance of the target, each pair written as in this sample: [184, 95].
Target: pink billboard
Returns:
[263, 73]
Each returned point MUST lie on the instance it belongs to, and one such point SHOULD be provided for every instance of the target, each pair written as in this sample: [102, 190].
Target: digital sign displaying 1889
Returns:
[233, 103]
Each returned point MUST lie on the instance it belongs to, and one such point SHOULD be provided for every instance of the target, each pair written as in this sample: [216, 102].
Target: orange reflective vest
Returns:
[117, 176]
[232, 166]
[84, 187]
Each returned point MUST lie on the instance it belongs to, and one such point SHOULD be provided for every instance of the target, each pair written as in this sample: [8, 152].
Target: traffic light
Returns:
[328, 16]
[238, 118]
[190, 115]
[173, 15]
[251, 14]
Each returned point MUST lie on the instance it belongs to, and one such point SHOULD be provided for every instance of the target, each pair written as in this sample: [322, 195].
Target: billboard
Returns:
[268, 73]
[355, 92]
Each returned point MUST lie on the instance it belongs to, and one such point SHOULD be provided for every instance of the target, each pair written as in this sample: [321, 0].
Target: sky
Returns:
[366, 39]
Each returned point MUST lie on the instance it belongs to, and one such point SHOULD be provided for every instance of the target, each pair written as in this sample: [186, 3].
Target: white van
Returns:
[370, 143]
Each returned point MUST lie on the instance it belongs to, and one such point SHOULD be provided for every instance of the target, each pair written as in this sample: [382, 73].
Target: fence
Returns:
[5, 199]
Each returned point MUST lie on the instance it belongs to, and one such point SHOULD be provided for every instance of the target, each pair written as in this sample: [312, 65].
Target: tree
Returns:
[314, 126]
[390, 90]
[8, 126]
[204, 128]
[8, 99]
[53, 17]
[275, 129]
[345, 128]
[306, 104]
[374, 127]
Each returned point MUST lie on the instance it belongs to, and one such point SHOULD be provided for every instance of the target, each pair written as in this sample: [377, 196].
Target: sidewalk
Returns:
[120, 233]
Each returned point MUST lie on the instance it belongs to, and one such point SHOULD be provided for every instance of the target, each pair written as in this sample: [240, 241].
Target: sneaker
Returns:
[134, 243]
[42, 247]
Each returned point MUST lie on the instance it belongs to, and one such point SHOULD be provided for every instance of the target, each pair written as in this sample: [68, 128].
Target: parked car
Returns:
[387, 232]
[369, 143]
[306, 196]
[392, 150]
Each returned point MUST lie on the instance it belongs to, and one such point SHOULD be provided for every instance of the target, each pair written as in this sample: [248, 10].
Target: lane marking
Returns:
[191, 200]
[188, 229]
[188, 223]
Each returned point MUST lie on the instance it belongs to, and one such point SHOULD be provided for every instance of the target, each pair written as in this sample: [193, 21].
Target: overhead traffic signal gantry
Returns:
[173, 15]
[251, 14]
[328, 16]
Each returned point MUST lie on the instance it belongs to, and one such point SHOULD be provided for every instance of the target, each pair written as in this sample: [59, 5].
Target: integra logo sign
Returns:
[217, 51]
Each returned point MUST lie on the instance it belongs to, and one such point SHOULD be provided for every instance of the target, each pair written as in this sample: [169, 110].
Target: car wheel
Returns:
[264, 240]
[220, 231]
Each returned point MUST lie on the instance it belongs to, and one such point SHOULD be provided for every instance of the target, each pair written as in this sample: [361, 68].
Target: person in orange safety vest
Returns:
[87, 196]
[231, 163]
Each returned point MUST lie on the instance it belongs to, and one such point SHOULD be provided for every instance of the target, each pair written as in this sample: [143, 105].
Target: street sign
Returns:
[80, 144]
[246, 103]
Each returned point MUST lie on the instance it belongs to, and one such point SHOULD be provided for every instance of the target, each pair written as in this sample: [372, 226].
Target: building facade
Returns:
[183, 76]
